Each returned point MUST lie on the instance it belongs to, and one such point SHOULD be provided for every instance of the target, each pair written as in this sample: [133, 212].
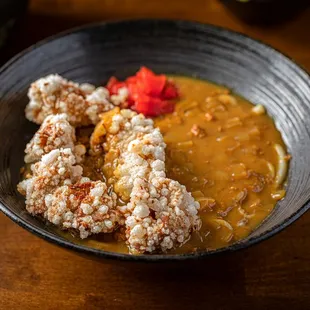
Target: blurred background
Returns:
[282, 23]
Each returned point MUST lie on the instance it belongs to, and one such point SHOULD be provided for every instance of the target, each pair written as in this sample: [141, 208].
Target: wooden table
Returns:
[272, 275]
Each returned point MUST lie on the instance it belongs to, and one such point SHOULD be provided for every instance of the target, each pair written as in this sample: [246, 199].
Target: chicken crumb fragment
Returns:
[198, 131]
[53, 95]
[209, 117]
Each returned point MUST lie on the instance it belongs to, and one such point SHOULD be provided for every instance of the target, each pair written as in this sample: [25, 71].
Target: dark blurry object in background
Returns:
[265, 11]
[10, 13]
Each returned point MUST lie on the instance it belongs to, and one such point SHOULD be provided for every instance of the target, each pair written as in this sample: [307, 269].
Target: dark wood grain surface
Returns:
[272, 275]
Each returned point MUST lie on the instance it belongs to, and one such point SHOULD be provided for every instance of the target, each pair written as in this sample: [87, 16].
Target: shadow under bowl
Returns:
[94, 53]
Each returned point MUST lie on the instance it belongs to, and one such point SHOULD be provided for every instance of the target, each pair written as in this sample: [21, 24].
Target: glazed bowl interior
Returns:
[94, 53]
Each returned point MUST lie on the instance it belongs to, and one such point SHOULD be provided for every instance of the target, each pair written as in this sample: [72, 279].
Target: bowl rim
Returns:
[60, 241]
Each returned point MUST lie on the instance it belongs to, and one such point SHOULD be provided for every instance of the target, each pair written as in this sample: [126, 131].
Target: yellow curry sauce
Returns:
[224, 154]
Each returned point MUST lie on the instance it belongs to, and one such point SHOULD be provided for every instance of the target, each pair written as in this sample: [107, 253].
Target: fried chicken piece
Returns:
[58, 192]
[54, 133]
[131, 146]
[160, 214]
[53, 95]
[55, 169]
[86, 207]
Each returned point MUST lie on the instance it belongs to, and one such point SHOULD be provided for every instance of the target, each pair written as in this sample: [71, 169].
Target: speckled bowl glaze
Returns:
[93, 53]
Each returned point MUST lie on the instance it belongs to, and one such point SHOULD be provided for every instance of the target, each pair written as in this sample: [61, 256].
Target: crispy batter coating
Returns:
[160, 214]
[53, 95]
[58, 192]
[54, 133]
[55, 169]
[131, 146]
[86, 207]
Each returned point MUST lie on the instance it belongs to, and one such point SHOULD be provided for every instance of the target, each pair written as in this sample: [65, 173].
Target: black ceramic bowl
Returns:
[94, 53]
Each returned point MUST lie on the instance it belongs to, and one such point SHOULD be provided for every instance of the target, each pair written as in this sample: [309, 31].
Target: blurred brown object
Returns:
[266, 12]
[272, 275]
[47, 17]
